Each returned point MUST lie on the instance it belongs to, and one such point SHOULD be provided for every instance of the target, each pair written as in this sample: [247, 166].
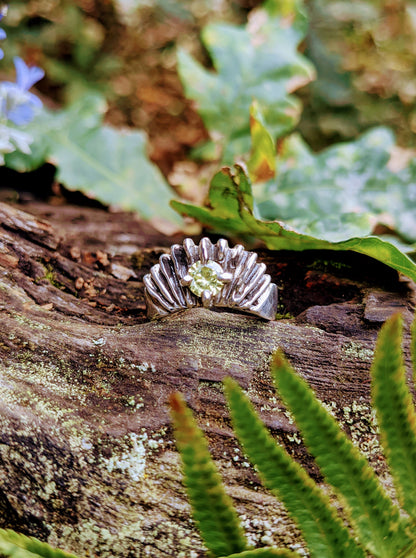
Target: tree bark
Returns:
[87, 459]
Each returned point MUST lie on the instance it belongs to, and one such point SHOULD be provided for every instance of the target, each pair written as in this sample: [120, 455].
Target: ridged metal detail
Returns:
[247, 286]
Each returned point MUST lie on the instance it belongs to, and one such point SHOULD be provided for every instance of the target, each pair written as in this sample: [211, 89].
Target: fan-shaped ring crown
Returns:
[210, 275]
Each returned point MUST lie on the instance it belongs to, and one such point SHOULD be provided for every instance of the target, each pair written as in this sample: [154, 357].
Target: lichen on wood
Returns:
[87, 460]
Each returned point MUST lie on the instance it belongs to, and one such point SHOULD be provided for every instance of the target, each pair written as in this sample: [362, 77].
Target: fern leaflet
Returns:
[413, 348]
[321, 528]
[395, 411]
[265, 553]
[212, 509]
[379, 525]
[15, 545]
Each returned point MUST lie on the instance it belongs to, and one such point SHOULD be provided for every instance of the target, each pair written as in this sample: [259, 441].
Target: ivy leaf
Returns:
[262, 162]
[99, 160]
[343, 191]
[257, 61]
[232, 210]
[90, 110]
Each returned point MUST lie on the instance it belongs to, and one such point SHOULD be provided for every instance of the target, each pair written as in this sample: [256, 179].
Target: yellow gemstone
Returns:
[205, 278]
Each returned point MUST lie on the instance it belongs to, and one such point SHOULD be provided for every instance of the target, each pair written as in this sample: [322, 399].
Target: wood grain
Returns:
[87, 459]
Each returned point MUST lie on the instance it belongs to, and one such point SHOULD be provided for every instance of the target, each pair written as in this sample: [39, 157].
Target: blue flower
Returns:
[25, 76]
[2, 32]
[16, 103]
[2, 36]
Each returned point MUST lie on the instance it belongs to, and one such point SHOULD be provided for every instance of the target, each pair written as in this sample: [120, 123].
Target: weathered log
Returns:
[87, 460]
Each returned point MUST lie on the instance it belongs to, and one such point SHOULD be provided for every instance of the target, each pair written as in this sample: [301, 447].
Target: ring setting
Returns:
[209, 275]
[206, 280]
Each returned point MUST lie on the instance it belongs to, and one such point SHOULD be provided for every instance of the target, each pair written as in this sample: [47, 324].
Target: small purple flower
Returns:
[25, 76]
[2, 37]
[3, 12]
[16, 103]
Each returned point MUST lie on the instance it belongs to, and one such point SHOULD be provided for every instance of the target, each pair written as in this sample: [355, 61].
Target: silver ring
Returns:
[209, 275]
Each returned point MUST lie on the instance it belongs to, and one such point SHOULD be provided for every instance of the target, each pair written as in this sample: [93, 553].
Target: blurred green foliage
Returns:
[364, 52]
[98, 159]
[340, 198]
[250, 63]
[67, 43]
[345, 190]
[84, 44]
[232, 209]
[343, 198]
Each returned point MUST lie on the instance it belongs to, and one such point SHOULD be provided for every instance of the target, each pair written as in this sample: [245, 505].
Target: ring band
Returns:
[209, 275]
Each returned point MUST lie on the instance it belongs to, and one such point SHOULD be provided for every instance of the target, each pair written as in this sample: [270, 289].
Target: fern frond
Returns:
[15, 545]
[265, 553]
[321, 528]
[395, 411]
[377, 520]
[212, 508]
[413, 347]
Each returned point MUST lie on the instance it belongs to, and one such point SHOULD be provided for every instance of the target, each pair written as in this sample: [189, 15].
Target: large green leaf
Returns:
[232, 210]
[257, 61]
[343, 191]
[97, 159]
[15, 545]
